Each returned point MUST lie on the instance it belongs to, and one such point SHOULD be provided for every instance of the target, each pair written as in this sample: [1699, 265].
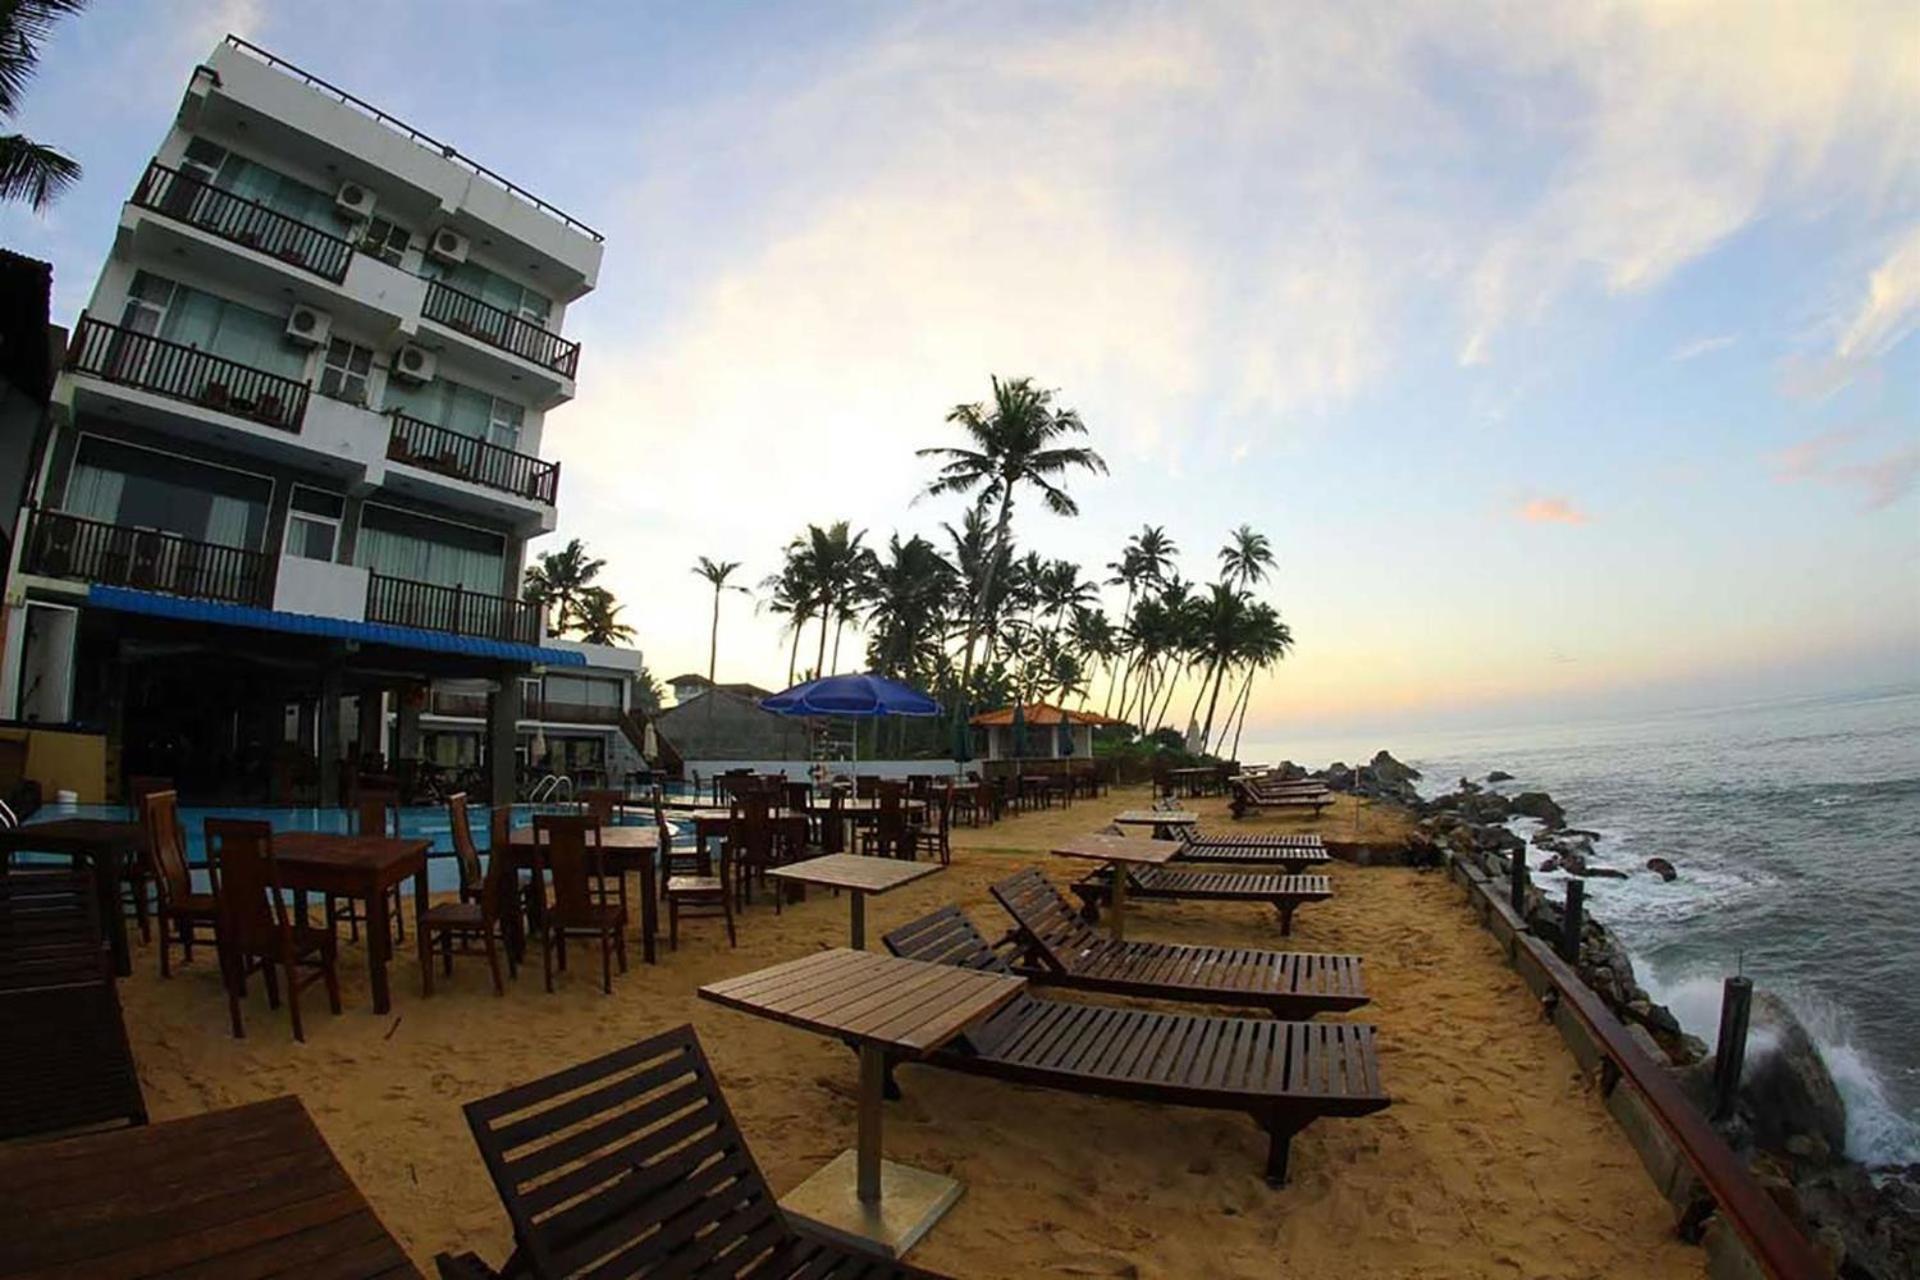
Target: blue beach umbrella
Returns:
[859, 697]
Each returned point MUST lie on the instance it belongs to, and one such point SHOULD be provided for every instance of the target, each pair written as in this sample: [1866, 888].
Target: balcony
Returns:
[403, 602]
[571, 712]
[64, 546]
[463, 457]
[186, 374]
[244, 222]
[500, 329]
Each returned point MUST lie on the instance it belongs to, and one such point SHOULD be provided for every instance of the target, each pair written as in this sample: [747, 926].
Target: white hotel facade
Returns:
[296, 455]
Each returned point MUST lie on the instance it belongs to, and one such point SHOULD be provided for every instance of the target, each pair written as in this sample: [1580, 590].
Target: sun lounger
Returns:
[1270, 850]
[1061, 949]
[1283, 1074]
[1285, 893]
[631, 1165]
[64, 1058]
[1248, 797]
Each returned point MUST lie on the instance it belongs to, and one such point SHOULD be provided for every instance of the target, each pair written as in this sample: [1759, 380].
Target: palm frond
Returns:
[34, 173]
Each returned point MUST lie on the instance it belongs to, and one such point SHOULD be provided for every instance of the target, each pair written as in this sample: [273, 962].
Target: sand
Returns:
[1496, 1158]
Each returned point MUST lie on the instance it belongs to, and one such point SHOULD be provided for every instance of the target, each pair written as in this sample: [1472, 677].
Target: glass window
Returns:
[461, 408]
[313, 524]
[386, 241]
[400, 544]
[493, 289]
[213, 324]
[344, 373]
[126, 485]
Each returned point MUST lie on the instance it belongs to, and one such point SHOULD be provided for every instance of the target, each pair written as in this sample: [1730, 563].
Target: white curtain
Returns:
[227, 521]
[400, 555]
[95, 493]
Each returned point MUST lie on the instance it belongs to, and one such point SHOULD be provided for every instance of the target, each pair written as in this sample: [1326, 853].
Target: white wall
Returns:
[321, 589]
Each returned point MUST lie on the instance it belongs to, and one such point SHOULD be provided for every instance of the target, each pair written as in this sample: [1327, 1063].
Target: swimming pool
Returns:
[427, 822]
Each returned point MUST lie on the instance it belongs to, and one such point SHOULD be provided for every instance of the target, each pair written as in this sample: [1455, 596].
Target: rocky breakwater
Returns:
[1789, 1120]
[1382, 778]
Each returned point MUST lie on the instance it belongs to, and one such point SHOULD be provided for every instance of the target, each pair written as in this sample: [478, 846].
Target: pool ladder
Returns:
[553, 787]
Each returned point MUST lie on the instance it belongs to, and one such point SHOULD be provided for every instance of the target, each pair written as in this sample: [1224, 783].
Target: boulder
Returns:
[1499, 775]
[1467, 786]
[1389, 770]
[1662, 868]
[1338, 777]
[1483, 806]
[1786, 1088]
[1875, 1215]
[1591, 872]
[1538, 804]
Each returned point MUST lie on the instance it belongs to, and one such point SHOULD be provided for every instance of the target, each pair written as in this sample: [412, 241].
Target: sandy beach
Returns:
[1495, 1159]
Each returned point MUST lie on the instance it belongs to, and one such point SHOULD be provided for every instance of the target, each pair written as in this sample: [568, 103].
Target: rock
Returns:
[1468, 787]
[1786, 1088]
[1591, 872]
[1387, 769]
[1538, 804]
[1338, 777]
[1499, 775]
[1483, 806]
[1876, 1217]
[1663, 868]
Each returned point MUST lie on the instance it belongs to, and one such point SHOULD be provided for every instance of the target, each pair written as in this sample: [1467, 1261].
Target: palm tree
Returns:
[558, 581]
[790, 592]
[834, 565]
[1094, 640]
[1146, 559]
[1016, 442]
[716, 573]
[906, 605]
[599, 618]
[29, 171]
[1246, 558]
[1219, 641]
[1268, 640]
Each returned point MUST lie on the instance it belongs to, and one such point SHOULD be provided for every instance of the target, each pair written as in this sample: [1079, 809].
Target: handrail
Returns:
[186, 373]
[435, 448]
[1779, 1247]
[59, 545]
[426, 140]
[404, 602]
[498, 327]
[243, 221]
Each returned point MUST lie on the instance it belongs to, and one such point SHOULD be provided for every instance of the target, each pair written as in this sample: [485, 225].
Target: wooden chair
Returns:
[931, 836]
[477, 918]
[180, 912]
[653, 1178]
[567, 852]
[757, 845]
[137, 875]
[256, 934]
[964, 800]
[889, 833]
[602, 804]
[376, 813]
[689, 884]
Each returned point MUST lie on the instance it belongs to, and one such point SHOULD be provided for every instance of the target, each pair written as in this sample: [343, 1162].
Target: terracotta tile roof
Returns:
[1040, 714]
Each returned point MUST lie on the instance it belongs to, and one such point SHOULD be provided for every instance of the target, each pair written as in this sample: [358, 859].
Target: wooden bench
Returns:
[1294, 853]
[1285, 893]
[1248, 797]
[1283, 1074]
[1059, 948]
[631, 1164]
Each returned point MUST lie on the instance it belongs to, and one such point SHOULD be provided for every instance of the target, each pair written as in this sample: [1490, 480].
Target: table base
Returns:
[911, 1201]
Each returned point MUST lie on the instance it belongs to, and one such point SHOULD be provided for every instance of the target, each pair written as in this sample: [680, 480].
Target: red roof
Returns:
[1041, 713]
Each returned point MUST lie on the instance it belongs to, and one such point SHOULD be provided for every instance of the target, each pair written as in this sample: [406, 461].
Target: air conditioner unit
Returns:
[353, 201]
[448, 245]
[309, 326]
[414, 364]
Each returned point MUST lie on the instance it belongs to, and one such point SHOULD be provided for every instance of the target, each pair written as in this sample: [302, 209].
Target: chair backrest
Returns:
[600, 804]
[498, 882]
[750, 831]
[139, 787]
[50, 931]
[946, 936]
[653, 1173]
[463, 849]
[166, 844]
[567, 847]
[252, 913]
[890, 823]
[376, 811]
[865, 787]
[797, 795]
[1048, 921]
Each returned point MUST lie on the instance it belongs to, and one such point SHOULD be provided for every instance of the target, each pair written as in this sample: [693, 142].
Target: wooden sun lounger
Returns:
[1060, 948]
[1247, 797]
[1286, 893]
[1283, 1074]
[631, 1164]
[1271, 850]
[64, 1059]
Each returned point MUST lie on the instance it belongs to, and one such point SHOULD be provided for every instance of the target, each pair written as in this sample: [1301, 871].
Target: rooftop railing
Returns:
[463, 457]
[402, 127]
[185, 373]
[500, 328]
[244, 222]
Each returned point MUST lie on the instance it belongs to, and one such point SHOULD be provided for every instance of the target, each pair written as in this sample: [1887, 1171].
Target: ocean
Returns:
[1795, 827]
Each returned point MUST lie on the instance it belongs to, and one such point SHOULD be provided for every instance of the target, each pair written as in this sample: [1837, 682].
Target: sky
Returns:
[1565, 352]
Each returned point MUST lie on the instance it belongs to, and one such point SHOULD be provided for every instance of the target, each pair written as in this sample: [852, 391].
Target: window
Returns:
[344, 374]
[213, 324]
[313, 523]
[400, 544]
[503, 423]
[493, 289]
[386, 241]
[461, 408]
[126, 485]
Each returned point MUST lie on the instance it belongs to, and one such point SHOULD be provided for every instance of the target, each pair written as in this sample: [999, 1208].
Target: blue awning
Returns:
[155, 605]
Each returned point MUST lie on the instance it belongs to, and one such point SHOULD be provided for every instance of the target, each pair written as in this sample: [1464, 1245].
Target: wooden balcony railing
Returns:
[500, 328]
[66, 546]
[186, 373]
[244, 222]
[463, 457]
[406, 603]
[572, 712]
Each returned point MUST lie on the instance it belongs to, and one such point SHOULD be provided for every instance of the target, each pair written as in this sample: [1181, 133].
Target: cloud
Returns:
[1891, 307]
[1878, 482]
[1704, 346]
[1551, 511]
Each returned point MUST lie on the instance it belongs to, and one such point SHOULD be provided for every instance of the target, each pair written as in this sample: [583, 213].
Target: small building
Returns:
[691, 685]
[1052, 733]
[722, 725]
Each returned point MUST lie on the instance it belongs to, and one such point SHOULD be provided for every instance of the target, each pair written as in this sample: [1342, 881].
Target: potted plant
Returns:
[214, 395]
[267, 407]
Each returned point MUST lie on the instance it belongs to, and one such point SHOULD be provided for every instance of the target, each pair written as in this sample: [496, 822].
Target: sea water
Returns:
[1795, 827]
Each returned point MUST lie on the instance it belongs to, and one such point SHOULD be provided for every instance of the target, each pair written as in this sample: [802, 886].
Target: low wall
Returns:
[64, 760]
[801, 770]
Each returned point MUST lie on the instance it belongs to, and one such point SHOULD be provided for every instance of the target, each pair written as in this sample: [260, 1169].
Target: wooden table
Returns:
[250, 1190]
[859, 876]
[884, 1004]
[627, 848]
[108, 848]
[1161, 821]
[855, 812]
[1119, 853]
[363, 867]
